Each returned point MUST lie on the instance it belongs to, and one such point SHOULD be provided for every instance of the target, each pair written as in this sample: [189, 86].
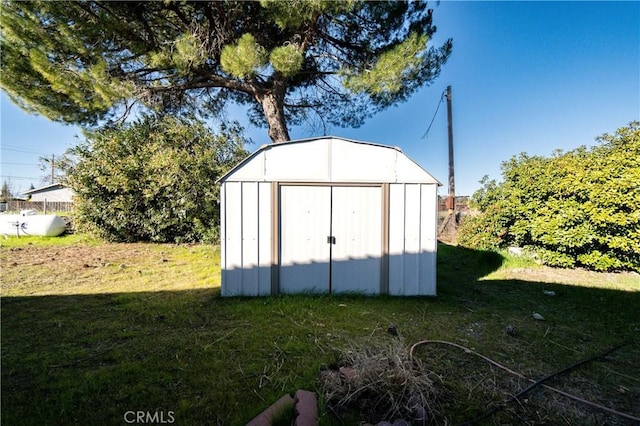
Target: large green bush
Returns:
[153, 180]
[580, 208]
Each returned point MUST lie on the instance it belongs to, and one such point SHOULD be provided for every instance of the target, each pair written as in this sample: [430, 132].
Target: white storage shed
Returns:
[328, 215]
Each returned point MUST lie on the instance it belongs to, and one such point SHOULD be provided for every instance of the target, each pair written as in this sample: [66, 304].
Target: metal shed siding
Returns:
[255, 214]
[412, 239]
[428, 239]
[362, 163]
[246, 235]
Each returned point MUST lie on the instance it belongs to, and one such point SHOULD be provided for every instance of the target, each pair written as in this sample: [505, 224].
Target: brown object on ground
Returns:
[267, 417]
[306, 408]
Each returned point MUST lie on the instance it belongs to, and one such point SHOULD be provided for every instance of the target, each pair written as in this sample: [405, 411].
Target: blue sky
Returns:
[526, 77]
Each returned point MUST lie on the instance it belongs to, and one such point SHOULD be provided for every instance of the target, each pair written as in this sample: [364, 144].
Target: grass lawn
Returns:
[92, 330]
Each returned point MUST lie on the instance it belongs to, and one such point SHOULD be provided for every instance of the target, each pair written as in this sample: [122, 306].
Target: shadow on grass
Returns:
[207, 360]
[456, 264]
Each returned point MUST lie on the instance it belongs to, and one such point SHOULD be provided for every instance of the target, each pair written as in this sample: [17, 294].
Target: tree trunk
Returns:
[272, 103]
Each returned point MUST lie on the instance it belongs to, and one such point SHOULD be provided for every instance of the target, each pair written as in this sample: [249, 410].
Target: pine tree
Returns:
[287, 61]
[5, 192]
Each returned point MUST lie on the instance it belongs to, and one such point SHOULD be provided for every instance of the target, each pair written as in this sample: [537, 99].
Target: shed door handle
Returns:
[331, 239]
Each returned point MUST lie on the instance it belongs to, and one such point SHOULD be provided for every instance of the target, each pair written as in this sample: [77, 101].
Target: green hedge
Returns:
[153, 180]
[580, 208]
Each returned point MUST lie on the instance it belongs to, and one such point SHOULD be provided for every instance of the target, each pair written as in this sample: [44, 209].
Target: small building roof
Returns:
[328, 159]
[45, 188]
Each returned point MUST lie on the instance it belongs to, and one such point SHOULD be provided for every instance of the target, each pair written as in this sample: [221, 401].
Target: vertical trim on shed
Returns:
[331, 237]
[384, 265]
[275, 238]
[396, 238]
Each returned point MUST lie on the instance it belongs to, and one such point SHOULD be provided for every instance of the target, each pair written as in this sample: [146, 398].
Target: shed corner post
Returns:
[223, 238]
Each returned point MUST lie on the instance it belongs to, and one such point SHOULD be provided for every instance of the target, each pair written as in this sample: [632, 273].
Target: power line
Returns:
[434, 115]
[25, 151]
[22, 149]
[18, 164]
[13, 146]
[19, 177]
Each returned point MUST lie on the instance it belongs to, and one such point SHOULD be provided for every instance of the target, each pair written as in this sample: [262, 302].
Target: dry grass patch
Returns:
[379, 380]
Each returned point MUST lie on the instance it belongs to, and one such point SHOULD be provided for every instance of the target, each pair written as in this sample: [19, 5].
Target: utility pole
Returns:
[449, 225]
[451, 201]
[52, 168]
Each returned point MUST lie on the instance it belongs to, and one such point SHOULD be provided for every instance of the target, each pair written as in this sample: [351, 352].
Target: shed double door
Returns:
[330, 239]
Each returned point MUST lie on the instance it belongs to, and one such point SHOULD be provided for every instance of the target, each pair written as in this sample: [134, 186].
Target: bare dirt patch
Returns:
[85, 269]
[66, 258]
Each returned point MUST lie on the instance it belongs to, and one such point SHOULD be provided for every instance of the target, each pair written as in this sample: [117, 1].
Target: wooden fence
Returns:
[15, 206]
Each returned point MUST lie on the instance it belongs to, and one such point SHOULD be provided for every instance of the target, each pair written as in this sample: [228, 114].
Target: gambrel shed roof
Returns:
[328, 159]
